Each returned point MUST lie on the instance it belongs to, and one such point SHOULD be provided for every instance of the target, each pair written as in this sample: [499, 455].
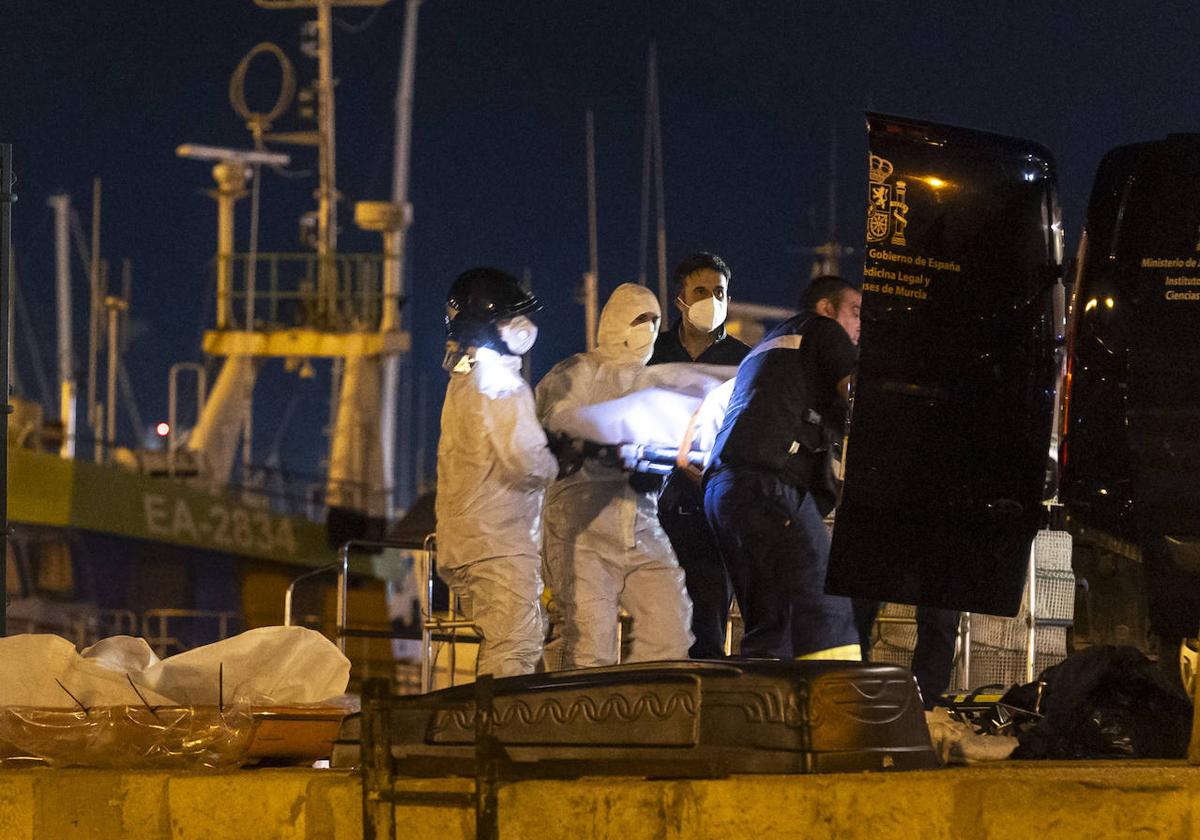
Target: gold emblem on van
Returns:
[887, 208]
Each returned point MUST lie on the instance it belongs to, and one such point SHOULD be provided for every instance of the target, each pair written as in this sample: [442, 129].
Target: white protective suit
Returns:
[493, 468]
[604, 547]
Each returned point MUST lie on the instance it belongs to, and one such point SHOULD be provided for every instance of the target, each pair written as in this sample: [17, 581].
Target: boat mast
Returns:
[833, 183]
[61, 204]
[660, 206]
[644, 230]
[652, 158]
[827, 258]
[336, 316]
[115, 307]
[7, 197]
[327, 163]
[93, 408]
[394, 247]
[591, 279]
[222, 414]
[404, 101]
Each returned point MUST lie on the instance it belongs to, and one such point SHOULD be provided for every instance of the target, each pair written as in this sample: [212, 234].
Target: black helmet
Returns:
[478, 299]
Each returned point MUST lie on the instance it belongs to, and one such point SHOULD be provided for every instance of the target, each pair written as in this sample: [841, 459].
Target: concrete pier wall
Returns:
[1093, 800]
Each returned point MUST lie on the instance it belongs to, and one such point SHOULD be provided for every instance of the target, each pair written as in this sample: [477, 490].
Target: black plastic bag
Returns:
[1104, 702]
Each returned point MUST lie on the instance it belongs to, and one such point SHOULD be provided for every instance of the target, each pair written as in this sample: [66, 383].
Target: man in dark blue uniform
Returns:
[701, 284]
[768, 484]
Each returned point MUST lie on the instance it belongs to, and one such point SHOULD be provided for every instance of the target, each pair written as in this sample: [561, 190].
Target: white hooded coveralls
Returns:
[604, 547]
[493, 468]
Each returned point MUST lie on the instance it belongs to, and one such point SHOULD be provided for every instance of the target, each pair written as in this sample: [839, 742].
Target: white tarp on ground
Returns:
[266, 666]
[655, 414]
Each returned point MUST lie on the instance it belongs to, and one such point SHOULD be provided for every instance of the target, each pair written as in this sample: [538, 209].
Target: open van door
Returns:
[949, 433]
[1131, 472]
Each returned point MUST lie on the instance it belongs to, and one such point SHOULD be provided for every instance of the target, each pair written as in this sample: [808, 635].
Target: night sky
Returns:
[751, 93]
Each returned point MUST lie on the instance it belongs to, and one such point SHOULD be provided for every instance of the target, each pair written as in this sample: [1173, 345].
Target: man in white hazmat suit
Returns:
[493, 468]
[604, 547]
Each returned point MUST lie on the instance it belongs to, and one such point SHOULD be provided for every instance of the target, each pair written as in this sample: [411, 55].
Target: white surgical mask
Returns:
[706, 314]
[518, 335]
[640, 341]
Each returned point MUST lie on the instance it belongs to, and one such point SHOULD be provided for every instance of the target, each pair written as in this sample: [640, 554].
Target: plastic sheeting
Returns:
[117, 705]
[956, 742]
[1105, 701]
[144, 737]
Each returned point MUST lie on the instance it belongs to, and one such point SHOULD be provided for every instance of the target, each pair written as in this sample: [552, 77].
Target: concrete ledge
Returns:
[1013, 799]
[40, 804]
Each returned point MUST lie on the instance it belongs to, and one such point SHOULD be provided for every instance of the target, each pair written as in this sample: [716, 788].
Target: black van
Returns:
[1130, 437]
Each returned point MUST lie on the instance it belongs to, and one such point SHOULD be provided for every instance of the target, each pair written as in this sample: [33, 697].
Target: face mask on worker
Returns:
[640, 340]
[705, 315]
[518, 335]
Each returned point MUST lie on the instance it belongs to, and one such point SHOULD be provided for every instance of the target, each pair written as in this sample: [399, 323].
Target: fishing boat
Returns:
[171, 542]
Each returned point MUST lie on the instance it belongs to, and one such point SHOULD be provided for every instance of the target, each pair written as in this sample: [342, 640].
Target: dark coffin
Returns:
[674, 719]
[949, 433]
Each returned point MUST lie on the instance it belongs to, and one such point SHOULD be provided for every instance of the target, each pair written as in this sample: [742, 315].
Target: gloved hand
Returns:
[568, 453]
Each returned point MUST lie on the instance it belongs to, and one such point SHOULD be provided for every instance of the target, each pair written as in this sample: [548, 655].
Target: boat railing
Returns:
[169, 631]
[280, 291]
[116, 623]
[80, 629]
[292, 493]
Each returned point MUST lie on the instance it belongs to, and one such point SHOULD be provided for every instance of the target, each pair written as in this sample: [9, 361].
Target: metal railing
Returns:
[157, 629]
[342, 569]
[78, 629]
[289, 597]
[447, 627]
[173, 404]
[298, 493]
[117, 623]
[282, 291]
[84, 628]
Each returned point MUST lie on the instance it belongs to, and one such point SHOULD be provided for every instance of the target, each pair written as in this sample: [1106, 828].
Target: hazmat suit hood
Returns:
[603, 545]
[616, 340]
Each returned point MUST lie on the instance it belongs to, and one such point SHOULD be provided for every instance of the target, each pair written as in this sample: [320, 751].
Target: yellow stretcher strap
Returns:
[846, 653]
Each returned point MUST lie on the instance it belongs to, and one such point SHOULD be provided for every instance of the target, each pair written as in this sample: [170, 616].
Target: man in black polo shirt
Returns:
[767, 486]
[701, 284]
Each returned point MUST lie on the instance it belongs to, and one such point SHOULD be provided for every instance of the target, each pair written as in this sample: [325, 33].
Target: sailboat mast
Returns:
[94, 321]
[404, 101]
[647, 146]
[394, 265]
[327, 163]
[114, 308]
[827, 258]
[591, 279]
[6, 201]
[61, 204]
[833, 184]
[660, 207]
